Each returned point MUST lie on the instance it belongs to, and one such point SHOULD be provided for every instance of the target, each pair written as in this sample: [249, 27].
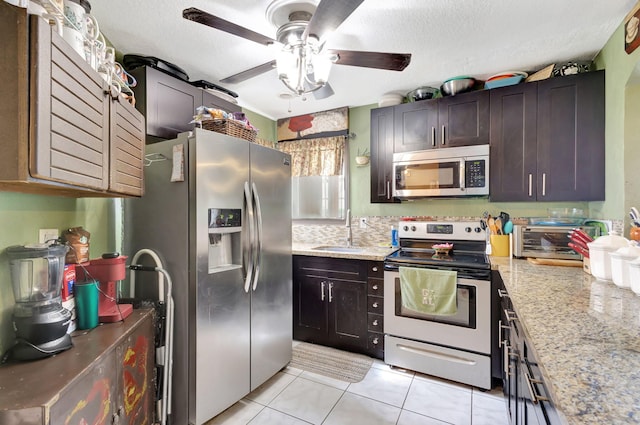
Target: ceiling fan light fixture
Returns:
[302, 68]
[322, 67]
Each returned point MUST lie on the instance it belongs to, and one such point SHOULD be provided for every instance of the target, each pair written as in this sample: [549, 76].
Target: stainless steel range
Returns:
[454, 343]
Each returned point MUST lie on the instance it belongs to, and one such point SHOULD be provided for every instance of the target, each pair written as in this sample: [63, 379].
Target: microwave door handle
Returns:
[462, 174]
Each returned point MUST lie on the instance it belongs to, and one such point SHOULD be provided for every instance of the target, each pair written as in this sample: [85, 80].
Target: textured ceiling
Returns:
[446, 38]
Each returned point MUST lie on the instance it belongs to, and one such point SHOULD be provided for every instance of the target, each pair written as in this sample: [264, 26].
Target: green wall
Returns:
[23, 215]
[622, 132]
[266, 127]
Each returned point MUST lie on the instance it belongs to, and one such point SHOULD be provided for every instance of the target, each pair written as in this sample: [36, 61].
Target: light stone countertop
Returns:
[374, 253]
[586, 335]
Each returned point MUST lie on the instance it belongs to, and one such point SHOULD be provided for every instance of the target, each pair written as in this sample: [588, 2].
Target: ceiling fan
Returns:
[303, 64]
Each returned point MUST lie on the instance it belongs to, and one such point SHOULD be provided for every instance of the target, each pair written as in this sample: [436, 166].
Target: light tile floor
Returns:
[386, 396]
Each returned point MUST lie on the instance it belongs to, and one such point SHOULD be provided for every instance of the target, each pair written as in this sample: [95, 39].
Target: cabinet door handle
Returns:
[330, 291]
[388, 189]
[374, 287]
[375, 305]
[442, 141]
[322, 290]
[502, 293]
[510, 315]
[375, 269]
[433, 136]
[530, 185]
[544, 184]
[375, 322]
[500, 328]
[507, 354]
[535, 397]
[374, 341]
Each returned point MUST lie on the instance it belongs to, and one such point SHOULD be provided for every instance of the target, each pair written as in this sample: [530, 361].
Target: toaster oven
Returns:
[547, 241]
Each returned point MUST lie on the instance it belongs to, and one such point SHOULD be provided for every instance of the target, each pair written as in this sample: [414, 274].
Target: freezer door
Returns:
[271, 296]
[222, 307]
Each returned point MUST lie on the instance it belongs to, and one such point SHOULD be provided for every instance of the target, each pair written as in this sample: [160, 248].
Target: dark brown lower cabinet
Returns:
[331, 304]
[106, 378]
[526, 395]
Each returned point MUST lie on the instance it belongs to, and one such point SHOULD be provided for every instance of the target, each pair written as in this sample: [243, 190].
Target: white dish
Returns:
[223, 96]
[390, 99]
[524, 74]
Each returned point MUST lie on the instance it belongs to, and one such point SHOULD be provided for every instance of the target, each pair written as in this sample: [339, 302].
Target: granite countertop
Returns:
[374, 253]
[586, 335]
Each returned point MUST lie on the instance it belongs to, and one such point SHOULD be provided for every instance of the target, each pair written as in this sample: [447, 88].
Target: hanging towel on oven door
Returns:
[428, 291]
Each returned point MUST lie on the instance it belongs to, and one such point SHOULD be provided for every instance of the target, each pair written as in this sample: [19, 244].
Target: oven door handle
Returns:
[436, 355]
[462, 174]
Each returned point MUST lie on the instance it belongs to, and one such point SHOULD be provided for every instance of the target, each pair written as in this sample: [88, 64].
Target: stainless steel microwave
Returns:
[446, 172]
[547, 241]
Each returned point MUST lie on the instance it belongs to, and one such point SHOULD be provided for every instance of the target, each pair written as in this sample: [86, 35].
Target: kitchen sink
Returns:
[347, 249]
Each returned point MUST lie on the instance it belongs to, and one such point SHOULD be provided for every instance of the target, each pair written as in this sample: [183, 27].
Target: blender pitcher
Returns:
[39, 319]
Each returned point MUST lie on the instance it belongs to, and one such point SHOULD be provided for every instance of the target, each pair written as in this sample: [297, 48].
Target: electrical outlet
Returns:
[47, 235]
[363, 222]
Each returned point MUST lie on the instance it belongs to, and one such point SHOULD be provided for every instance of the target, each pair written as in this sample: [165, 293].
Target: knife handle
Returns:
[579, 249]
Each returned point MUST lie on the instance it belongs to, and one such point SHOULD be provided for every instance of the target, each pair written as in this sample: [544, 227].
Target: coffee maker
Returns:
[39, 319]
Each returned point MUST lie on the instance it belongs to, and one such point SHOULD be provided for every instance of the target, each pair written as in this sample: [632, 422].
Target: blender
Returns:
[39, 319]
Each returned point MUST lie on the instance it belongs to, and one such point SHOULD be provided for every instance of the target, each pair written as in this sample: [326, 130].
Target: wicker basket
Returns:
[231, 128]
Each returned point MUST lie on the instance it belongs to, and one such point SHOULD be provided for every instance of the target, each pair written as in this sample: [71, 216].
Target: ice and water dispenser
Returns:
[225, 239]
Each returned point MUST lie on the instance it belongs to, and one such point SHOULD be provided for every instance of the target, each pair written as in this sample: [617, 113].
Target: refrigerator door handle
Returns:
[258, 234]
[247, 249]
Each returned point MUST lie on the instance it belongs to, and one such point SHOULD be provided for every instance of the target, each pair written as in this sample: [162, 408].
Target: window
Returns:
[319, 174]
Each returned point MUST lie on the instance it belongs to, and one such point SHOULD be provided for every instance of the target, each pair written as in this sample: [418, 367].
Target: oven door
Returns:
[469, 329]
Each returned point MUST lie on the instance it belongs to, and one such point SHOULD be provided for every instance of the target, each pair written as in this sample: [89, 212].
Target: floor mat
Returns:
[330, 362]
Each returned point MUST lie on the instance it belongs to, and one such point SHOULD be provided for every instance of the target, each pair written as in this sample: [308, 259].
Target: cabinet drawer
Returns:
[330, 268]
[375, 287]
[376, 341]
[375, 322]
[376, 269]
[375, 305]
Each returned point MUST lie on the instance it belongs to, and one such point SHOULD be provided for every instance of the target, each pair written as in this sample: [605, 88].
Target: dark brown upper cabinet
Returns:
[169, 103]
[460, 120]
[382, 155]
[547, 140]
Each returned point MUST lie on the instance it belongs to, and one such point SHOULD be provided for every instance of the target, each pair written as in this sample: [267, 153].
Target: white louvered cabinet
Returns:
[64, 132]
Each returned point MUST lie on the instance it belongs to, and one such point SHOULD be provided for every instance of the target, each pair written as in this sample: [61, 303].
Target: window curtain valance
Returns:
[315, 157]
[264, 142]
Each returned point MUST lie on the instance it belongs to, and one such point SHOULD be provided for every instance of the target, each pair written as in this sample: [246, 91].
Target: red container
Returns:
[68, 280]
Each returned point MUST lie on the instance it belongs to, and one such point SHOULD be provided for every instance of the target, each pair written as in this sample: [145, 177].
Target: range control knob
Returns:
[478, 229]
[405, 228]
[467, 229]
[413, 228]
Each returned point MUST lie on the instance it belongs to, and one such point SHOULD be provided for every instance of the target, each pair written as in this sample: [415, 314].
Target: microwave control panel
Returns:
[475, 174]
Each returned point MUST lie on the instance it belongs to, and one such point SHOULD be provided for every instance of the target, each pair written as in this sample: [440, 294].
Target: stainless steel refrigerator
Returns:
[217, 210]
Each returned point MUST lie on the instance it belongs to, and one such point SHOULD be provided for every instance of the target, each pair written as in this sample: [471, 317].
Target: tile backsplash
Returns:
[376, 233]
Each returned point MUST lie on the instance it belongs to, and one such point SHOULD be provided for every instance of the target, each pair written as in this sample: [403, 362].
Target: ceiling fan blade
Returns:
[328, 16]
[323, 92]
[389, 61]
[250, 73]
[202, 17]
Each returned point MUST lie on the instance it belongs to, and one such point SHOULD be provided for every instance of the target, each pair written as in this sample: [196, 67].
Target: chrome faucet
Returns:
[348, 225]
